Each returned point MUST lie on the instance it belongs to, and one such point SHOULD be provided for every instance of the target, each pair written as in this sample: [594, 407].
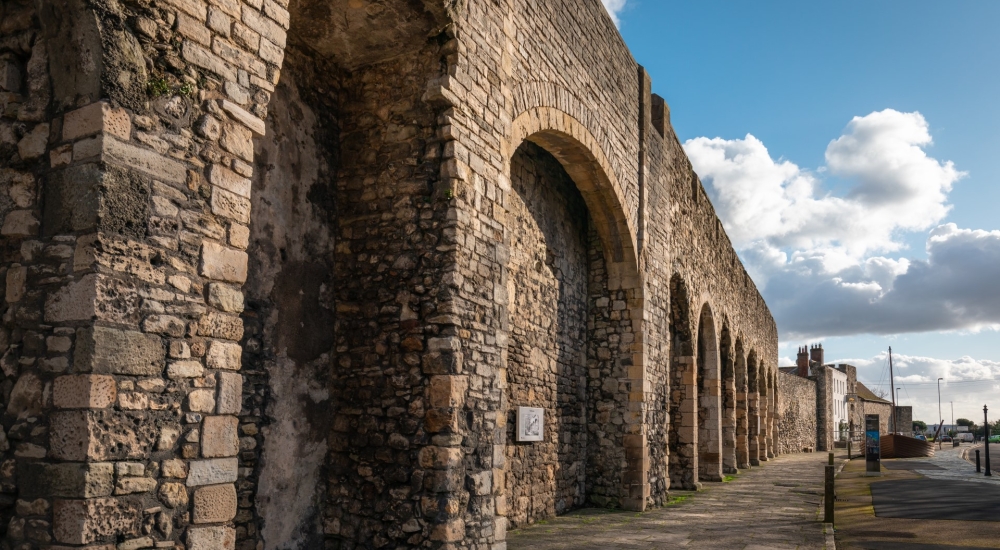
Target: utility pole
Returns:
[986, 432]
[892, 386]
[953, 413]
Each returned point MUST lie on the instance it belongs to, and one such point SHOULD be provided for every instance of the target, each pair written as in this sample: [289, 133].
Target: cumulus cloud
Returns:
[614, 8]
[968, 383]
[823, 261]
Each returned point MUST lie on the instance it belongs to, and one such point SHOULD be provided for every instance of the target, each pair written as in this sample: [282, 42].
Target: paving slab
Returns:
[774, 506]
[936, 499]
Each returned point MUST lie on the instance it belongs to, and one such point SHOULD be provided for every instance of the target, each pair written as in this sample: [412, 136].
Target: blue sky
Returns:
[874, 128]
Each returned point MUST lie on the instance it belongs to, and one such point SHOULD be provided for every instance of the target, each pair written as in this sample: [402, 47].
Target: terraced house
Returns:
[283, 275]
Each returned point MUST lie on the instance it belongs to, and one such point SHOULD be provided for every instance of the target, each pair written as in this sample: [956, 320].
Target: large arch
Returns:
[614, 399]
[753, 409]
[709, 386]
[683, 433]
[742, 416]
[729, 405]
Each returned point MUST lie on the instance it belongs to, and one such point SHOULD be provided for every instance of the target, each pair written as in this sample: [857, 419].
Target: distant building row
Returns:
[825, 404]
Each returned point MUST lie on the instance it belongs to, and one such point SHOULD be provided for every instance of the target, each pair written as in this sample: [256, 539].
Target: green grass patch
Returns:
[677, 500]
[727, 479]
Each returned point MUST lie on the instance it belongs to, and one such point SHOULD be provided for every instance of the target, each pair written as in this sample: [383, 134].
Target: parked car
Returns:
[995, 438]
[965, 436]
[921, 437]
[946, 438]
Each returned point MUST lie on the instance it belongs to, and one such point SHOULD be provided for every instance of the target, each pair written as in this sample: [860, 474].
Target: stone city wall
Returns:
[278, 275]
[796, 414]
[883, 410]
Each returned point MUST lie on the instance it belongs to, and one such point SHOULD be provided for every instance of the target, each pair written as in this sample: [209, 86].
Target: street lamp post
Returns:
[986, 432]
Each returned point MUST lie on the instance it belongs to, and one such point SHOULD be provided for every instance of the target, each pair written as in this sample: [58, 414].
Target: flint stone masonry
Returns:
[278, 274]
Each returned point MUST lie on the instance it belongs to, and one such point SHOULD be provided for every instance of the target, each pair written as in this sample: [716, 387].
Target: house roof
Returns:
[867, 395]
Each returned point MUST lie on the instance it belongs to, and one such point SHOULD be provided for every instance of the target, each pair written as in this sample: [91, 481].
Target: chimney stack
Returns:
[802, 362]
[816, 354]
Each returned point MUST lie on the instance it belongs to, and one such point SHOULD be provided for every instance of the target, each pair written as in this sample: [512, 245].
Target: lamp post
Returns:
[941, 421]
[986, 432]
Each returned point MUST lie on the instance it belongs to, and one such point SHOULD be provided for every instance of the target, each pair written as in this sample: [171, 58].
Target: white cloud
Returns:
[614, 8]
[968, 383]
[820, 259]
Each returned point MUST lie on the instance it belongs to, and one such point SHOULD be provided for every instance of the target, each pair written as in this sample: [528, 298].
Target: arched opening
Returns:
[574, 334]
[764, 408]
[709, 399]
[772, 381]
[753, 409]
[729, 462]
[742, 417]
[554, 258]
[683, 434]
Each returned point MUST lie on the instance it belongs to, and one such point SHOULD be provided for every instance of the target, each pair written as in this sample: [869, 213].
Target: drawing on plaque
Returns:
[530, 423]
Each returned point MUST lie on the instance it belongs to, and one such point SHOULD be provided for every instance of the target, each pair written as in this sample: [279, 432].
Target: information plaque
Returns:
[873, 464]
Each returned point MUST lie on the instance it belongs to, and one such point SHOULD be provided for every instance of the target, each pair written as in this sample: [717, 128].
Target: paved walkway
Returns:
[955, 468]
[774, 507]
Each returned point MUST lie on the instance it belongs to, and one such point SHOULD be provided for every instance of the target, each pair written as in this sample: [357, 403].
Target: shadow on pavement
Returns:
[936, 499]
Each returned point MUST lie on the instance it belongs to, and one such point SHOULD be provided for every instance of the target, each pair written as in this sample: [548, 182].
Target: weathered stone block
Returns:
[230, 400]
[105, 434]
[174, 495]
[214, 504]
[211, 538]
[20, 223]
[95, 118]
[212, 472]
[201, 400]
[84, 391]
[116, 351]
[73, 480]
[33, 144]
[129, 485]
[86, 521]
[174, 468]
[223, 355]
[185, 369]
[230, 205]
[229, 180]
[219, 437]
[223, 264]
[225, 297]
[16, 277]
[447, 391]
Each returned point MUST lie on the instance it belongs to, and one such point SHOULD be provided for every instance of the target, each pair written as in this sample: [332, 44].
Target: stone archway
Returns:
[709, 398]
[683, 432]
[753, 409]
[742, 416]
[729, 403]
[597, 410]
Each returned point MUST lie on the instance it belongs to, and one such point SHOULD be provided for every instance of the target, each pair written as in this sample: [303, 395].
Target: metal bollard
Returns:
[831, 459]
[828, 495]
[977, 462]
[848, 449]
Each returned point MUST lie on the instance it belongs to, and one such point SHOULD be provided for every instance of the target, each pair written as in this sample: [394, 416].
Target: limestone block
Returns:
[447, 391]
[168, 325]
[116, 351]
[239, 236]
[173, 495]
[84, 391]
[238, 140]
[230, 399]
[25, 397]
[230, 181]
[242, 116]
[201, 400]
[230, 205]
[211, 538]
[71, 479]
[173, 468]
[33, 144]
[214, 503]
[105, 434]
[20, 223]
[74, 302]
[193, 29]
[95, 118]
[225, 297]
[219, 437]
[131, 485]
[16, 277]
[212, 472]
[224, 355]
[440, 458]
[265, 27]
[86, 521]
[202, 57]
[143, 160]
[191, 7]
[222, 263]
[185, 369]
[450, 531]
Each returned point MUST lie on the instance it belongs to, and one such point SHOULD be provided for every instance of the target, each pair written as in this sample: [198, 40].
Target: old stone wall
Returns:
[883, 410]
[824, 407]
[278, 275]
[796, 413]
[904, 422]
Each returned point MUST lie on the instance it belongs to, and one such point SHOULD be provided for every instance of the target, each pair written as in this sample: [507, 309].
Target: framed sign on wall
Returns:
[530, 423]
